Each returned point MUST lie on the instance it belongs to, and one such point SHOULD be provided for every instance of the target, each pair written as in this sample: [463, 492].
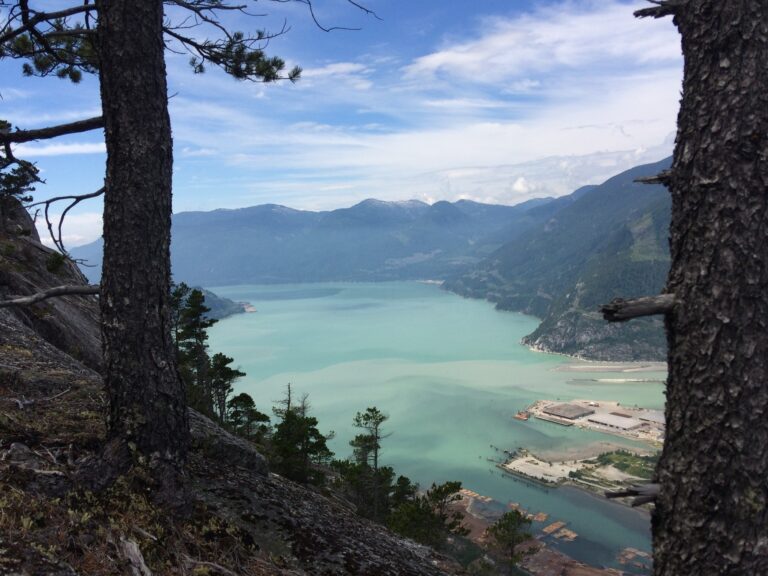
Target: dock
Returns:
[553, 420]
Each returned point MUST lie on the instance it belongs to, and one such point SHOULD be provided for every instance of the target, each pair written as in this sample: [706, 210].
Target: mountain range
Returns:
[599, 243]
[371, 241]
[555, 258]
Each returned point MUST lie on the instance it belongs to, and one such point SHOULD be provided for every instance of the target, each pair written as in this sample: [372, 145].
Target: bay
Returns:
[450, 372]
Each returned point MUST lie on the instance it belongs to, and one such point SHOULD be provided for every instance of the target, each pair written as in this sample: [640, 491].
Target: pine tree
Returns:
[194, 361]
[508, 532]
[124, 42]
[711, 495]
[367, 447]
[245, 419]
[298, 447]
[221, 377]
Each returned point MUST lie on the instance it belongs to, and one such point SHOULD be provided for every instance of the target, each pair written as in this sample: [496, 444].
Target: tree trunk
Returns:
[711, 516]
[146, 395]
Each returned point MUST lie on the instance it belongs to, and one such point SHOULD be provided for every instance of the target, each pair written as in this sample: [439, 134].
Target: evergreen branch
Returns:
[20, 136]
[41, 17]
[51, 293]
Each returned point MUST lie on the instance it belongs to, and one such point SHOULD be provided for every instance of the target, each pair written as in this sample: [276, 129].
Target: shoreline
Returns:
[594, 365]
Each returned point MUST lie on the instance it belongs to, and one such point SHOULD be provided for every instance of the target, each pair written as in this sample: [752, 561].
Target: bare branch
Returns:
[644, 493]
[20, 136]
[73, 32]
[51, 293]
[57, 238]
[23, 402]
[663, 8]
[364, 9]
[209, 566]
[664, 177]
[620, 310]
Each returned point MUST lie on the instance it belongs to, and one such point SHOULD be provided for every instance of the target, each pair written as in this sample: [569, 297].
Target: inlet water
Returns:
[450, 372]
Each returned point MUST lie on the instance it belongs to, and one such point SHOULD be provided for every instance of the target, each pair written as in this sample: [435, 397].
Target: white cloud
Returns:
[78, 229]
[8, 94]
[566, 35]
[59, 149]
[533, 105]
[352, 74]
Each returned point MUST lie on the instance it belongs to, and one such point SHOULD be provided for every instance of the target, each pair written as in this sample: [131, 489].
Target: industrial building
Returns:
[569, 411]
[652, 416]
[615, 421]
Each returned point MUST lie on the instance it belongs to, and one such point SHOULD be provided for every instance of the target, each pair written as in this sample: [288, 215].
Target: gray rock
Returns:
[218, 444]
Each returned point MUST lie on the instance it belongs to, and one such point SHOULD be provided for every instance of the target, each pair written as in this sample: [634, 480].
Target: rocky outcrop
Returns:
[586, 335]
[27, 266]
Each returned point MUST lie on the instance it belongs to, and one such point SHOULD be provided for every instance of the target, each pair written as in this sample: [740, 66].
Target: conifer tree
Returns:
[710, 490]
[124, 43]
[298, 447]
[221, 377]
[245, 419]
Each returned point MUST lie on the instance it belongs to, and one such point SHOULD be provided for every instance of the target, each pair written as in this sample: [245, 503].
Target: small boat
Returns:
[522, 415]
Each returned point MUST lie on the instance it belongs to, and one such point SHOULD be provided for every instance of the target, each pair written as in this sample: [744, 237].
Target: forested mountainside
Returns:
[557, 259]
[608, 241]
[53, 410]
[371, 241]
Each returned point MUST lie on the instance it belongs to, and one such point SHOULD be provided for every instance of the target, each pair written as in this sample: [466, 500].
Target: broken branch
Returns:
[663, 8]
[643, 493]
[620, 310]
[664, 177]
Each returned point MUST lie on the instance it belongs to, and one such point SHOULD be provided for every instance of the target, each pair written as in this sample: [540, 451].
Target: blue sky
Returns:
[491, 100]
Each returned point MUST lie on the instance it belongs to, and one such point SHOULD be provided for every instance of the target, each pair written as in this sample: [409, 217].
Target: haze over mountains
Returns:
[371, 241]
[557, 259]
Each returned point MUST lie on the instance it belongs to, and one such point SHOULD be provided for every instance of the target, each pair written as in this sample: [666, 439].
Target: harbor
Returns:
[609, 417]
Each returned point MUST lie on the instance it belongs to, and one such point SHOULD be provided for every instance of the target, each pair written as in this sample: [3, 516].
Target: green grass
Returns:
[629, 463]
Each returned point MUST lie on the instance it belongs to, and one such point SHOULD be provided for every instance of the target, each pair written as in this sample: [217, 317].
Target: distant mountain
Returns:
[370, 241]
[596, 244]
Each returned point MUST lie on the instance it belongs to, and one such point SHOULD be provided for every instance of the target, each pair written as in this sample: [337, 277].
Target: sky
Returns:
[496, 101]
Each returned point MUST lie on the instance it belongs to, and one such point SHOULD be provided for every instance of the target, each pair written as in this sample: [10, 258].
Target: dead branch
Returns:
[663, 8]
[57, 238]
[20, 136]
[643, 493]
[20, 402]
[51, 293]
[135, 558]
[23, 402]
[209, 565]
[664, 177]
[620, 310]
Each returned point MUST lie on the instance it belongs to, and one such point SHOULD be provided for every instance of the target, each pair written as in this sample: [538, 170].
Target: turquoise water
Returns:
[450, 372]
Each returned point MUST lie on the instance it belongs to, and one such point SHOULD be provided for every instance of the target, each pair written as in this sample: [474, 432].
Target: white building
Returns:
[617, 422]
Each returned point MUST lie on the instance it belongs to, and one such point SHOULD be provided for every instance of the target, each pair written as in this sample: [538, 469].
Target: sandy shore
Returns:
[581, 452]
[624, 367]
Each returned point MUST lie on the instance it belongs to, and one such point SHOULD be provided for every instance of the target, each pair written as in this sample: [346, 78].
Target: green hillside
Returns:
[610, 241]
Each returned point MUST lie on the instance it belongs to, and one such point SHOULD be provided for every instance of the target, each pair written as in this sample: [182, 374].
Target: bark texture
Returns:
[147, 400]
[711, 514]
